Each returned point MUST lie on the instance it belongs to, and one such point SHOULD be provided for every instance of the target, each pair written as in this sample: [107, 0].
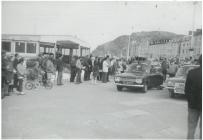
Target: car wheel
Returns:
[171, 93]
[160, 87]
[119, 88]
[145, 88]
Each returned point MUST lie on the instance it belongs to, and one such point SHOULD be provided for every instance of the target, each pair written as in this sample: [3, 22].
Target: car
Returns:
[139, 76]
[176, 85]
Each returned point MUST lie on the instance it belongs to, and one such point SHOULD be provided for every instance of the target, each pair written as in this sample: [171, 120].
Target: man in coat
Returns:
[15, 63]
[193, 91]
[4, 73]
[59, 67]
[73, 69]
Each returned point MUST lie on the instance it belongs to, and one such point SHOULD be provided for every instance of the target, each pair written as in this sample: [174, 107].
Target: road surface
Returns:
[93, 111]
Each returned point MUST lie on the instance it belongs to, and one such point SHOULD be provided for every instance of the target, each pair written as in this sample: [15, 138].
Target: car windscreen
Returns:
[180, 72]
[137, 68]
[183, 71]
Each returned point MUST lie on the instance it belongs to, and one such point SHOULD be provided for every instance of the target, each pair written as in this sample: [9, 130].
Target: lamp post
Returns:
[128, 49]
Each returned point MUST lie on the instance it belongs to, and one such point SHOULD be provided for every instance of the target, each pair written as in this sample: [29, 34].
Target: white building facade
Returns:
[32, 45]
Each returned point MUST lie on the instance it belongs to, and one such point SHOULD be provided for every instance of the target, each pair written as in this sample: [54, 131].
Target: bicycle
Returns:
[41, 81]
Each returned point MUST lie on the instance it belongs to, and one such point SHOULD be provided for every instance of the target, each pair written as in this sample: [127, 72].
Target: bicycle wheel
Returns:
[28, 85]
[37, 84]
[48, 85]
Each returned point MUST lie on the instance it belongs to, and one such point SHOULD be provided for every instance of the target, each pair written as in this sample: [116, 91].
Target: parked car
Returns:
[139, 76]
[176, 85]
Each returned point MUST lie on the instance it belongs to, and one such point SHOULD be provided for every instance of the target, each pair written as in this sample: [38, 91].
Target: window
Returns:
[20, 47]
[31, 47]
[6, 46]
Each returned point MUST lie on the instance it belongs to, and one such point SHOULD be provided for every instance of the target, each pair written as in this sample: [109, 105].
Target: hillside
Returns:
[119, 45]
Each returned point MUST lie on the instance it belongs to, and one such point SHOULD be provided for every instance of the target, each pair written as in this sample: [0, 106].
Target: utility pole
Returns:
[128, 49]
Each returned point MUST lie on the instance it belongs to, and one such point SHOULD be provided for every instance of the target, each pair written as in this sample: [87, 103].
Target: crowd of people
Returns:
[15, 71]
[168, 66]
[95, 68]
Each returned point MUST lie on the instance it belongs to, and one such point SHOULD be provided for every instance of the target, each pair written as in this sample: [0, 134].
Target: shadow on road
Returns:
[133, 90]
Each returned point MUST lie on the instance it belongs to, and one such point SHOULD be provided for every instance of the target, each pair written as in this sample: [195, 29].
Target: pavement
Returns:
[93, 111]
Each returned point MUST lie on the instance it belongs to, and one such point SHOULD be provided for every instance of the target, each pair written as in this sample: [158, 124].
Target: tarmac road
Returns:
[93, 111]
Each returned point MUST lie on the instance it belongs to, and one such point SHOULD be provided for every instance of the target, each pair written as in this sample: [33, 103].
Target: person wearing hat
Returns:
[193, 91]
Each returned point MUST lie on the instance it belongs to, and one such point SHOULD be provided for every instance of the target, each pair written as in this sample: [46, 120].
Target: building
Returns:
[139, 48]
[163, 48]
[196, 43]
[32, 45]
[184, 47]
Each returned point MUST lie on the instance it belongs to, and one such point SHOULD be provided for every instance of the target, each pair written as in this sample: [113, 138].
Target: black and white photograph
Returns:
[101, 69]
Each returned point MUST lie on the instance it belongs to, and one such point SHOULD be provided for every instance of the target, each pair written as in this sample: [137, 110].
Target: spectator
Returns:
[15, 63]
[95, 70]
[100, 69]
[89, 61]
[109, 67]
[4, 81]
[59, 68]
[105, 70]
[53, 60]
[193, 91]
[21, 71]
[114, 66]
[164, 67]
[173, 67]
[73, 69]
[10, 73]
[79, 70]
[47, 67]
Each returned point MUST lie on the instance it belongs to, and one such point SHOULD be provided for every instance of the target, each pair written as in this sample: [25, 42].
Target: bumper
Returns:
[176, 90]
[125, 85]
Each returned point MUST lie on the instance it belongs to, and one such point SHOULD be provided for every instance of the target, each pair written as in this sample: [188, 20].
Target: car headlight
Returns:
[139, 81]
[170, 83]
[117, 79]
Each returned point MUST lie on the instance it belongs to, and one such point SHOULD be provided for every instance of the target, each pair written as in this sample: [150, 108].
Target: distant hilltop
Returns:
[118, 46]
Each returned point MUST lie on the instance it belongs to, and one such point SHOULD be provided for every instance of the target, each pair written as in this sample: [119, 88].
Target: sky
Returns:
[99, 22]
